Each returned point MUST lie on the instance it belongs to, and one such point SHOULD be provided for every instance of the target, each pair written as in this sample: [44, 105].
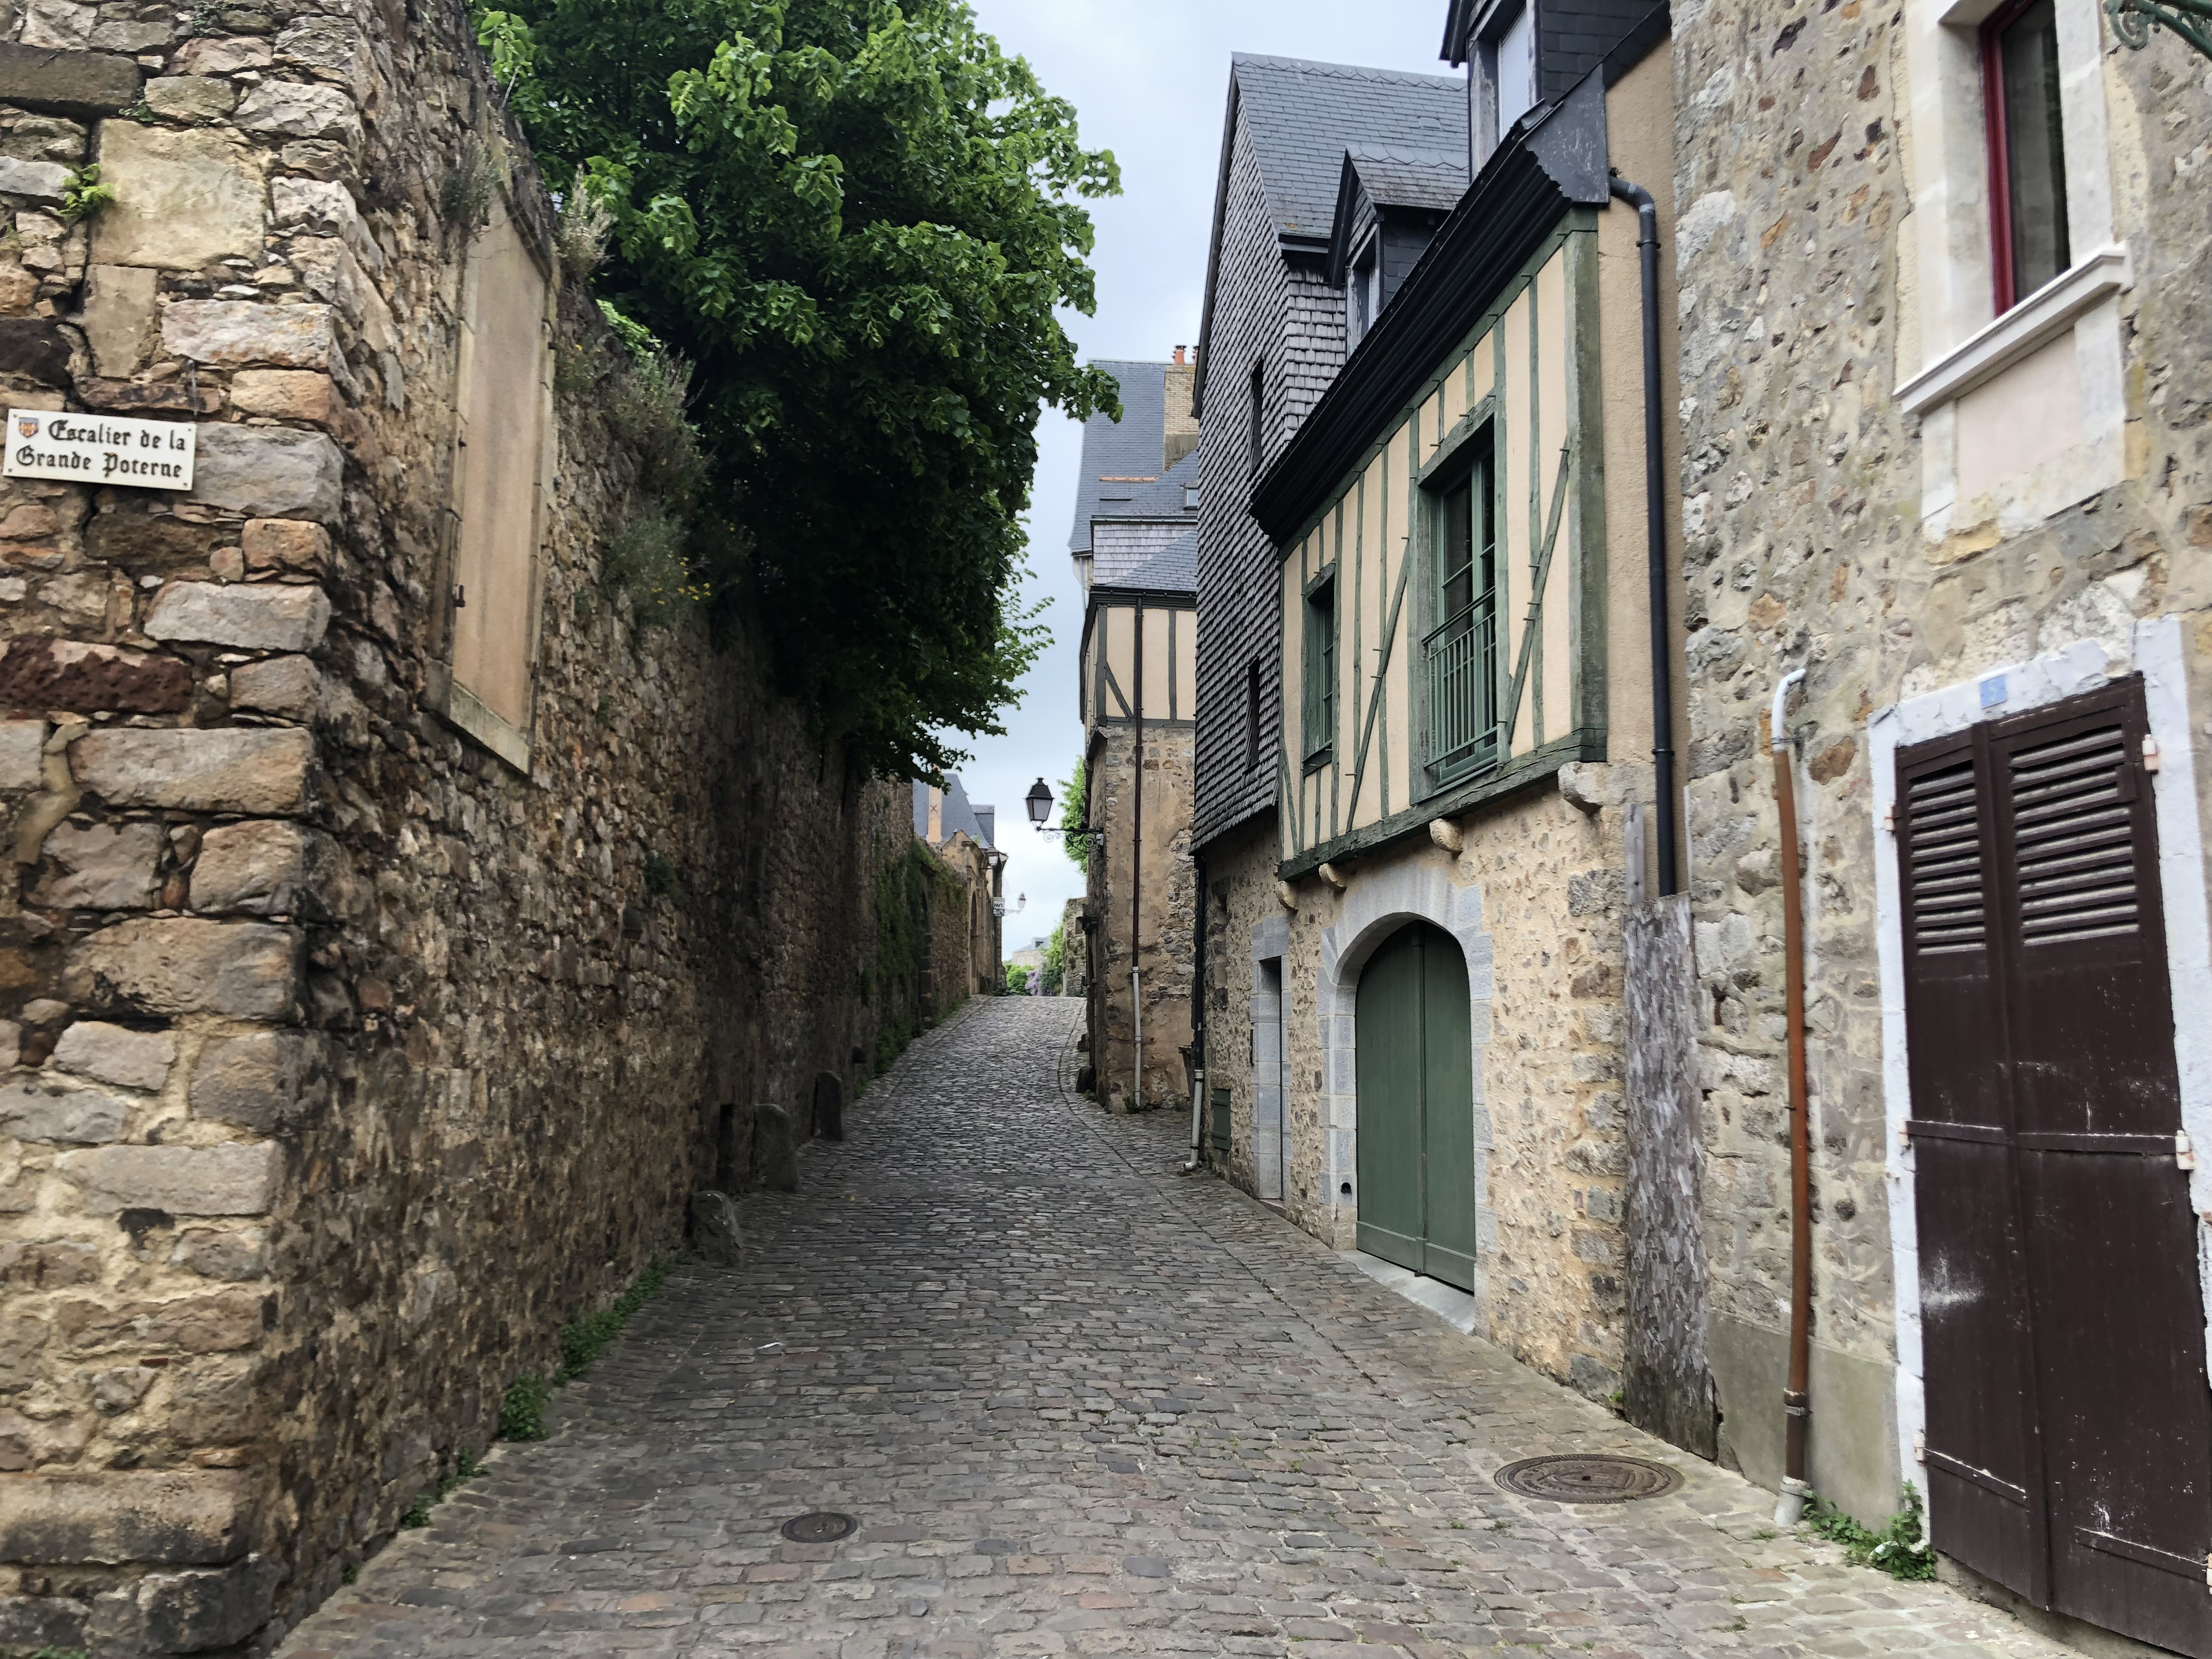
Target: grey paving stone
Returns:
[1081, 1404]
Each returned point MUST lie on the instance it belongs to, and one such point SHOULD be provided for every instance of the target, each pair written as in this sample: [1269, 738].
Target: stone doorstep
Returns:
[1448, 1302]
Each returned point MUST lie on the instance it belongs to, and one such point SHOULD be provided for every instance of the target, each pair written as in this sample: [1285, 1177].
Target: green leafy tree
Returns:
[1056, 960]
[1074, 815]
[856, 219]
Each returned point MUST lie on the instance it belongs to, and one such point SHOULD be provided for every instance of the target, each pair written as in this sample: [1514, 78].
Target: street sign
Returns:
[100, 449]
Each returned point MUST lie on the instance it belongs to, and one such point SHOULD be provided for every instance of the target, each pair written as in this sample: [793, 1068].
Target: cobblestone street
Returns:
[1081, 1404]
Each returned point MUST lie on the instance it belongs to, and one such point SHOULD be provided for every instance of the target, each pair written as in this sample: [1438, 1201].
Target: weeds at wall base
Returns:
[1900, 1549]
[522, 1409]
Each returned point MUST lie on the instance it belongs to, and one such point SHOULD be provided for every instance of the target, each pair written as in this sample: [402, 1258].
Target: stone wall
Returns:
[1815, 539]
[1543, 870]
[349, 1061]
[1166, 912]
[1074, 956]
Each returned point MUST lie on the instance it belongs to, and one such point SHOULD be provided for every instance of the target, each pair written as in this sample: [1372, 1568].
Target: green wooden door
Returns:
[1388, 1044]
[1415, 1082]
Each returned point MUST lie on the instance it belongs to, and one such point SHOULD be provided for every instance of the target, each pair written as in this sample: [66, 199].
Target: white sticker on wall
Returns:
[100, 449]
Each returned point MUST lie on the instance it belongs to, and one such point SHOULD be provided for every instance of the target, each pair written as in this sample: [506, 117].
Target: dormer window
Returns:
[1364, 300]
[1190, 498]
[1510, 56]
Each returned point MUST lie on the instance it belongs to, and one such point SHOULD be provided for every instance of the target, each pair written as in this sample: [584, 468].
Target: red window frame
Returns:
[2003, 276]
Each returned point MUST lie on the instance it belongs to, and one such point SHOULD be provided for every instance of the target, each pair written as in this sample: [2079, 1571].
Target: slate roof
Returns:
[1397, 175]
[1161, 499]
[1303, 116]
[1174, 571]
[1131, 449]
[958, 815]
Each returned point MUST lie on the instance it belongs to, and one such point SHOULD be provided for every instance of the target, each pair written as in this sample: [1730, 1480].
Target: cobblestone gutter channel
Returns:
[1080, 1405]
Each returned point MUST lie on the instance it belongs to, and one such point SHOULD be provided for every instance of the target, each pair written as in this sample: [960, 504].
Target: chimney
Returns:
[1180, 435]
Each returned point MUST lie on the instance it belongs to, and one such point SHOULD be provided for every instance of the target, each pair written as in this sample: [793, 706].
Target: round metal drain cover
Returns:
[822, 1527]
[1578, 1478]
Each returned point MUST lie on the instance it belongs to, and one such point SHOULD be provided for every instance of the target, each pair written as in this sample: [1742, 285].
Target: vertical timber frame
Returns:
[2159, 654]
[1576, 580]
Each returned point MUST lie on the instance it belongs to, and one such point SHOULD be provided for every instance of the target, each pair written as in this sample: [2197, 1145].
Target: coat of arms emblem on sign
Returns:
[28, 425]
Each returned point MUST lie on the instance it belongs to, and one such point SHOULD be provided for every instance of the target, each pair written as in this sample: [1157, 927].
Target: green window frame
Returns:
[1460, 651]
[1320, 640]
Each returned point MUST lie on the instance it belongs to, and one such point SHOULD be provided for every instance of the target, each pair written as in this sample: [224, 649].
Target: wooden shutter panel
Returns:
[2069, 1420]
[1943, 861]
[1983, 1480]
[2074, 835]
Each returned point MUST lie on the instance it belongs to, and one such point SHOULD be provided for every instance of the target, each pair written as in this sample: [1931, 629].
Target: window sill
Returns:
[459, 708]
[2029, 325]
[1319, 760]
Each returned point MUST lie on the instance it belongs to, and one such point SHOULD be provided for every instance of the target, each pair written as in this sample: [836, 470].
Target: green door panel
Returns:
[1388, 1049]
[1416, 1106]
[1447, 1112]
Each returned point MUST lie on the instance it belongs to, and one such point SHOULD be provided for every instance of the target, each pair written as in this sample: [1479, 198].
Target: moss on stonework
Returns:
[903, 889]
[583, 1340]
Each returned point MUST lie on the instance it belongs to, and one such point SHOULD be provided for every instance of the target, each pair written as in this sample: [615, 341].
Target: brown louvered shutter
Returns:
[2069, 1421]
[1982, 1487]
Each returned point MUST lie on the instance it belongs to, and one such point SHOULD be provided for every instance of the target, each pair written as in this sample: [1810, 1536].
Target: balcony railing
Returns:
[1463, 660]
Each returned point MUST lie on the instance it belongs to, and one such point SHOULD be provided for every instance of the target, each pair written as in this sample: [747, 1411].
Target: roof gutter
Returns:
[1669, 805]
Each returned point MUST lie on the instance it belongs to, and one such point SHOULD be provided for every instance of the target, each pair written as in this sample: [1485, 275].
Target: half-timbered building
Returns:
[1272, 339]
[1457, 574]
[1134, 544]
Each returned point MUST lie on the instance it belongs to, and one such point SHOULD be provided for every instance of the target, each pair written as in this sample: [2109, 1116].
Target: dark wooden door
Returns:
[1416, 1092]
[2070, 1422]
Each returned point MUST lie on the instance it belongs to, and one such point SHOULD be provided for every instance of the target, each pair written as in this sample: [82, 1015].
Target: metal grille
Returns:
[1944, 861]
[1462, 658]
[2074, 837]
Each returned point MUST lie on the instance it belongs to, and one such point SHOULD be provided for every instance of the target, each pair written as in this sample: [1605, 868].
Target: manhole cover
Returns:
[822, 1527]
[1585, 1480]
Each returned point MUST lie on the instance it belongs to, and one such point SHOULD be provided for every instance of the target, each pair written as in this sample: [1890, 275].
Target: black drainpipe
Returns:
[1654, 534]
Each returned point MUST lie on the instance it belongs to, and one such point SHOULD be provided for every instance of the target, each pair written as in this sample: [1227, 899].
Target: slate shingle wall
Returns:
[1574, 36]
[1254, 320]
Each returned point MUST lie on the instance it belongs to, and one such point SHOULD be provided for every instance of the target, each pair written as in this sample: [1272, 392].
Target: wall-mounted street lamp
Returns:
[2132, 21]
[1039, 802]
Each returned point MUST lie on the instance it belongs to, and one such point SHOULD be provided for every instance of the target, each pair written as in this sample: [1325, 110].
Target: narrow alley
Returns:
[1079, 1404]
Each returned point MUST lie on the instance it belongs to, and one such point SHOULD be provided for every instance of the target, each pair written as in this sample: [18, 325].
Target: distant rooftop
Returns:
[1174, 571]
[1303, 116]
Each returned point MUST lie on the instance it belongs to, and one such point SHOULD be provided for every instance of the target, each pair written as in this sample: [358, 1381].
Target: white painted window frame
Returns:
[1270, 946]
[2158, 651]
[1961, 344]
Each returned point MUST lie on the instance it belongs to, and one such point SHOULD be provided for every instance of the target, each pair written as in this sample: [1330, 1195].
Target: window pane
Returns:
[1516, 70]
[2035, 152]
[1456, 562]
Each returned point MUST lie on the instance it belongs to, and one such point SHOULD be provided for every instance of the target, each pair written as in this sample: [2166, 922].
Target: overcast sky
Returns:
[1149, 79]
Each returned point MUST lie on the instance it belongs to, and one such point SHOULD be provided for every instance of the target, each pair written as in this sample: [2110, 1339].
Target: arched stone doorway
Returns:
[1375, 905]
[1415, 1096]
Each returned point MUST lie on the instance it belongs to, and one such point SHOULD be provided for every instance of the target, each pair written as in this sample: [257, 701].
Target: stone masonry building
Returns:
[1944, 351]
[1134, 544]
[401, 929]
[1418, 1026]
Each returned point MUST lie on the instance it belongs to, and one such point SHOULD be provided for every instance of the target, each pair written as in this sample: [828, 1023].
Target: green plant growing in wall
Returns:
[1074, 816]
[661, 879]
[83, 195]
[859, 220]
[466, 188]
[903, 886]
[647, 561]
[522, 1410]
[585, 1338]
[1901, 1548]
[1055, 961]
